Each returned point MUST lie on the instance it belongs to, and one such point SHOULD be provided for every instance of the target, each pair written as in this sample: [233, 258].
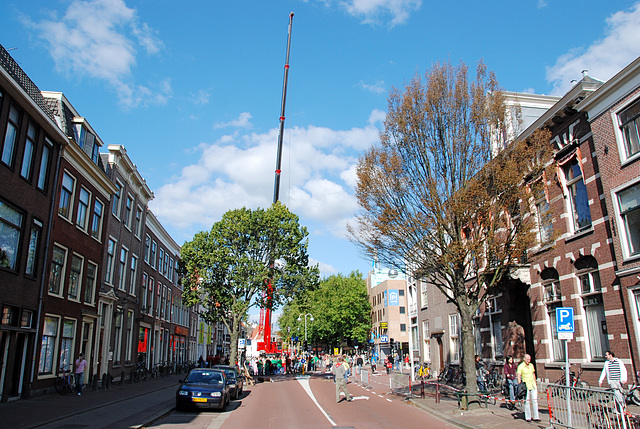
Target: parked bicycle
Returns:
[574, 381]
[139, 372]
[495, 378]
[633, 396]
[65, 383]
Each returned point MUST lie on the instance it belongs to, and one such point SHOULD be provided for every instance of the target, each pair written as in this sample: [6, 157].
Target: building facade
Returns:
[30, 147]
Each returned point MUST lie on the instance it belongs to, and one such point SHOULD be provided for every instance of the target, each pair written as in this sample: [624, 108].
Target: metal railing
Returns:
[575, 407]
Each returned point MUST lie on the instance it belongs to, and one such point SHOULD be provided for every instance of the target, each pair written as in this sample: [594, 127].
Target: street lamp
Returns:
[305, 322]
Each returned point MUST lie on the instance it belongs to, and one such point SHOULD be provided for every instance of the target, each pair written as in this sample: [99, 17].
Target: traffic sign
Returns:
[564, 323]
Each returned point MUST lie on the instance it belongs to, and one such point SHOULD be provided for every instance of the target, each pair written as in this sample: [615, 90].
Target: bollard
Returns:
[122, 378]
[437, 393]
[422, 389]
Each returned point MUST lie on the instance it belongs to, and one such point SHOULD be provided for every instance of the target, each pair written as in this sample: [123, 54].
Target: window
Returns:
[629, 206]
[132, 277]
[165, 269]
[160, 258]
[424, 297]
[598, 340]
[543, 214]
[127, 212]
[10, 235]
[557, 347]
[122, 271]
[150, 293]
[58, 261]
[403, 327]
[579, 200]
[154, 246]
[96, 221]
[83, 208]
[48, 345]
[115, 208]
[143, 291]
[66, 347]
[27, 156]
[90, 283]
[11, 136]
[75, 277]
[138, 225]
[171, 270]
[111, 252]
[117, 339]
[32, 252]
[66, 196]
[403, 310]
[454, 335]
[129, 336]
[43, 173]
[147, 248]
[426, 335]
[629, 121]
[551, 285]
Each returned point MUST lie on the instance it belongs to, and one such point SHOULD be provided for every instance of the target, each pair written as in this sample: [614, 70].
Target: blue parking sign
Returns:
[564, 320]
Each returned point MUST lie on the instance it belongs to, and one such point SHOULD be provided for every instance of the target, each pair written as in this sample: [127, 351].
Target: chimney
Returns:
[585, 73]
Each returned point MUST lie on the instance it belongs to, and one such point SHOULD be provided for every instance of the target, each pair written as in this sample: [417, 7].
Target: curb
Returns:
[442, 416]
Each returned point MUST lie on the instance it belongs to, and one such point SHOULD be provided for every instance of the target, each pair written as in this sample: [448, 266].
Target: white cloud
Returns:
[100, 39]
[242, 121]
[376, 11]
[326, 270]
[603, 58]
[376, 88]
[317, 182]
[372, 11]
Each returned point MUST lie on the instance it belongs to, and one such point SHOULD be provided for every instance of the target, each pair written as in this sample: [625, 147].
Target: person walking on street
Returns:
[79, 368]
[347, 369]
[616, 374]
[509, 372]
[526, 373]
[480, 374]
[339, 372]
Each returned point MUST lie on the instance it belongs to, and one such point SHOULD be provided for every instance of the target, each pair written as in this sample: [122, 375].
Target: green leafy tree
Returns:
[437, 194]
[227, 269]
[340, 308]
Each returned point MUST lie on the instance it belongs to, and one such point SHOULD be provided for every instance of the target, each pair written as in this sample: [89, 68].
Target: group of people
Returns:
[613, 371]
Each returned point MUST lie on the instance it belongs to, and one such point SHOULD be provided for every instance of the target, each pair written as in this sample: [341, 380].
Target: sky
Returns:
[193, 89]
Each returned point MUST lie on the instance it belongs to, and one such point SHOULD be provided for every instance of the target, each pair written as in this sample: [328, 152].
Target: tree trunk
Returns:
[468, 348]
[233, 335]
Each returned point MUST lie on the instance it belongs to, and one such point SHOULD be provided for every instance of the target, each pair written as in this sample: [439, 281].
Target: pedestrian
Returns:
[509, 372]
[201, 362]
[339, 373]
[80, 365]
[359, 363]
[481, 371]
[347, 369]
[389, 363]
[616, 374]
[373, 363]
[527, 373]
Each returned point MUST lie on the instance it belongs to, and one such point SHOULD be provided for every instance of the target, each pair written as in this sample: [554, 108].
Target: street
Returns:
[306, 402]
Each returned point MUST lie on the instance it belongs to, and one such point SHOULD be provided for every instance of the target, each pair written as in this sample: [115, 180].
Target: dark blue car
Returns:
[203, 388]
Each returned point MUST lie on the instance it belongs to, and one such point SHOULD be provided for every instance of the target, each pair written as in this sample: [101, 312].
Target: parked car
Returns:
[203, 388]
[235, 380]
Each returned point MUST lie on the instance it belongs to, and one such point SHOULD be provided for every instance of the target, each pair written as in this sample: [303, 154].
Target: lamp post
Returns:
[305, 322]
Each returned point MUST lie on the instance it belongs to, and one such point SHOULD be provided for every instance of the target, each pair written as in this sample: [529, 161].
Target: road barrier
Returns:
[575, 407]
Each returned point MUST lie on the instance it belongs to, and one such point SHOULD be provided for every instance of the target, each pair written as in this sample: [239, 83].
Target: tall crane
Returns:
[267, 345]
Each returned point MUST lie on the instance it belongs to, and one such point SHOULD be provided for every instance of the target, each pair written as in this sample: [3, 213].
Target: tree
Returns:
[439, 196]
[340, 308]
[227, 269]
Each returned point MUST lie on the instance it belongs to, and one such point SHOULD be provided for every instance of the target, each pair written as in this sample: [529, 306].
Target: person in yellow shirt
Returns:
[527, 373]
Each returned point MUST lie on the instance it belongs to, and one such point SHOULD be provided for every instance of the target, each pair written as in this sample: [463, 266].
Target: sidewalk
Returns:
[46, 409]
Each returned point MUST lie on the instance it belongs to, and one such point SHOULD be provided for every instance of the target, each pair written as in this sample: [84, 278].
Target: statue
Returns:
[515, 345]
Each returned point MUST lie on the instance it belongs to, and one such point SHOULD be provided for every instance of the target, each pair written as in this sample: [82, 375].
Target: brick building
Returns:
[30, 144]
[613, 112]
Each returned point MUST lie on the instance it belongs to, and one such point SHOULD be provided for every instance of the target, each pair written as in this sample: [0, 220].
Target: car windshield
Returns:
[209, 377]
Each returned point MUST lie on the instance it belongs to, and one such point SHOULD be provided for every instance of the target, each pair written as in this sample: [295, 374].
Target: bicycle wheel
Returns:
[61, 385]
[634, 396]
[135, 375]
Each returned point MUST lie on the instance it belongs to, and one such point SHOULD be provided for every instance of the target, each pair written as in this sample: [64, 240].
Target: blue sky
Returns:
[192, 89]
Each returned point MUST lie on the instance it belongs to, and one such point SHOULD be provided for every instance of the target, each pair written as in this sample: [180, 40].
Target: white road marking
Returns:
[388, 399]
[360, 397]
[304, 382]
